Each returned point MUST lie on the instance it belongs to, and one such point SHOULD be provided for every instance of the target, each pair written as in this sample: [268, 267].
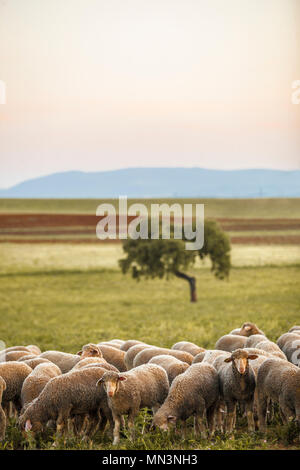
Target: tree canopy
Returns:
[162, 258]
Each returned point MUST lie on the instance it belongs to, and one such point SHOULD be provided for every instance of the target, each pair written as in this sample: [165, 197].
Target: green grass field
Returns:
[63, 296]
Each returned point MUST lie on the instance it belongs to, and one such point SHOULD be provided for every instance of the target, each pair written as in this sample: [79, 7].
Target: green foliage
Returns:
[160, 258]
[217, 247]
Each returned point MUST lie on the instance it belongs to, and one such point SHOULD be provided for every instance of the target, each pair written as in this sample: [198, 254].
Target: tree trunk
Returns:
[192, 283]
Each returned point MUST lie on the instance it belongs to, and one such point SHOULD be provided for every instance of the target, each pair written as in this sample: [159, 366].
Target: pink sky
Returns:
[95, 85]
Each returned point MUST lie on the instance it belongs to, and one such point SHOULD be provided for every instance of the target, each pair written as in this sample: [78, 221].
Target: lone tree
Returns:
[163, 258]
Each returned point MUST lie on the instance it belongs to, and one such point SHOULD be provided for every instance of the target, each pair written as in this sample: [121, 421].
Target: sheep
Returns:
[32, 348]
[64, 361]
[112, 345]
[212, 354]
[90, 350]
[236, 331]
[13, 355]
[132, 352]
[253, 340]
[94, 362]
[195, 392]
[286, 338]
[27, 357]
[129, 343]
[144, 386]
[14, 374]
[74, 393]
[2, 414]
[279, 381]
[186, 346]
[172, 366]
[113, 356]
[36, 381]
[237, 384]
[144, 356]
[33, 363]
[295, 329]
[249, 329]
[230, 342]
[272, 348]
[199, 357]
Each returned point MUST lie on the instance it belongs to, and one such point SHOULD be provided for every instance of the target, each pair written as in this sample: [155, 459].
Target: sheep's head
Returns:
[240, 360]
[249, 329]
[111, 382]
[26, 423]
[90, 350]
[163, 421]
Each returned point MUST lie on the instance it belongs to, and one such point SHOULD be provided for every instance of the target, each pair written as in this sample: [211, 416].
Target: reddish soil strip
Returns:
[267, 240]
[89, 222]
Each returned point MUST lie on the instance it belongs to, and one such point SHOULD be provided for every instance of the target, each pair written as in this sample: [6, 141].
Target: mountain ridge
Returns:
[174, 182]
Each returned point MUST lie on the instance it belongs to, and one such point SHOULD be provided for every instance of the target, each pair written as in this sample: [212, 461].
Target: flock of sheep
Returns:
[84, 392]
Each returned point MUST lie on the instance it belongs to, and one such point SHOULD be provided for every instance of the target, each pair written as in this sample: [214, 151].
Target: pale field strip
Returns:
[16, 258]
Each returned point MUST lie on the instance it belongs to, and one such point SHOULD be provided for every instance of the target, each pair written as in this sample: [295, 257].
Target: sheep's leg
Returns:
[210, 416]
[199, 422]
[262, 412]
[250, 417]
[2, 424]
[116, 433]
[231, 410]
[131, 418]
[155, 408]
[287, 412]
[62, 420]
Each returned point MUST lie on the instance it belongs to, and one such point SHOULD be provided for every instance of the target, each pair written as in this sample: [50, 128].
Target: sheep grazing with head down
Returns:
[113, 356]
[36, 381]
[64, 361]
[144, 356]
[237, 385]
[186, 346]
[230, 342]
[129, 343]
[2, 414]
[195, 392]
[132, 352]
[66, 396]
[14, 374]
[279, 381]
[172, 365]
[144, 386]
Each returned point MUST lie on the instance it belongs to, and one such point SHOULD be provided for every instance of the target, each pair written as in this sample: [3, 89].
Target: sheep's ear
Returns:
[79, 353]
[121, 378]
[99, 382]
[28, 425]
[228, 359]
[172, 418]
[252, 357]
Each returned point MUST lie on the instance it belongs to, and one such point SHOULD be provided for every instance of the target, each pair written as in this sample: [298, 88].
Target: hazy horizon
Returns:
[94, 85]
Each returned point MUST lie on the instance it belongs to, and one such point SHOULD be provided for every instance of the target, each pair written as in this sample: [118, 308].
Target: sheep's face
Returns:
[163, 422]
[29, 425]
[90, 350]
[239, 359]
[111, 382]
[249, 329]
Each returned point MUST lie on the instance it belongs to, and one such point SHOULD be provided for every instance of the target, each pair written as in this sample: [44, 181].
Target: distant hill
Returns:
[161, 182]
